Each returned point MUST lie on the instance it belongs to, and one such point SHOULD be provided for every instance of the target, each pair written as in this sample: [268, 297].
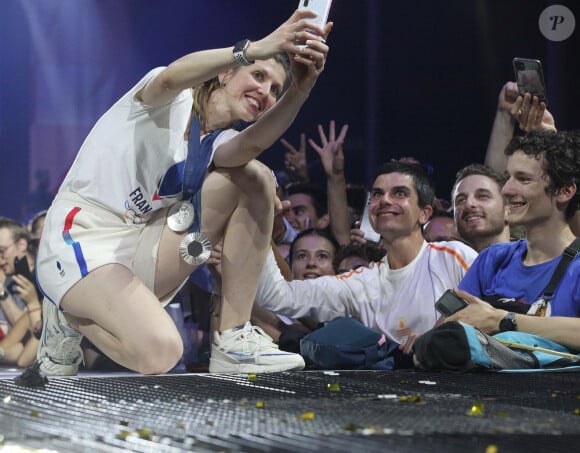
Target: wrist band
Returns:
[240, 52]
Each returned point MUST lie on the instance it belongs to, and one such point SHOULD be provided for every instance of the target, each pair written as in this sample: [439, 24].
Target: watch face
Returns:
[507, 323]
[241, 45]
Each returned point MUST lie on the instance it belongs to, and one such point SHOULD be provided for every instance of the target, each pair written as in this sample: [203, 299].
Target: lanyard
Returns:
[196, 162]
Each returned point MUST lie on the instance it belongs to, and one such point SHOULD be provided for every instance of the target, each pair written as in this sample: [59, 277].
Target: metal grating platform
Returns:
[367, 411]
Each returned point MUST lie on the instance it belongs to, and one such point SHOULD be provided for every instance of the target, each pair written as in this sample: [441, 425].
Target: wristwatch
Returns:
[508, 323]
[240, 52]
[4, 294]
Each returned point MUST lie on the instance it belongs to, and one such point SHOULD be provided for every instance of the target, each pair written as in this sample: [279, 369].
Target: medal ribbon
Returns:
[196, 162]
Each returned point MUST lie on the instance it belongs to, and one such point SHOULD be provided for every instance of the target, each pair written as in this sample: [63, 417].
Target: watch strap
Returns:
[240, 52]
[508, 323]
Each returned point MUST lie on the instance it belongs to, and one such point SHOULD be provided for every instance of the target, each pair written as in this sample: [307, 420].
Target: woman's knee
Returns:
[255, 178]
[159, 352]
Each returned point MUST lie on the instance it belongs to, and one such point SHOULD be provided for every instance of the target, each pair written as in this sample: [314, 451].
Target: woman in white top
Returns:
[108, 256]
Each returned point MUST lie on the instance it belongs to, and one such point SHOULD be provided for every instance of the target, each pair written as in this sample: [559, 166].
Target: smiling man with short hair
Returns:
[396, 295]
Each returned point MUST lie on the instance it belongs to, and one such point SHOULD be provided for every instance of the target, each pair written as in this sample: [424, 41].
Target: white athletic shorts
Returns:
[79, 236]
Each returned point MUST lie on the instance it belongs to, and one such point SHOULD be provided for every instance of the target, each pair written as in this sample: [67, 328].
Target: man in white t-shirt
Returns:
[396, 295]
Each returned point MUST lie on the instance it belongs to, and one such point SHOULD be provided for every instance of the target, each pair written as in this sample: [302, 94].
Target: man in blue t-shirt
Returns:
[542, 194]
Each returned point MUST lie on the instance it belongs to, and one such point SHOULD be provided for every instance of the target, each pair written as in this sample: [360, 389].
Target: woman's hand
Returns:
[308, 63]
[303, 41]
[287, 37]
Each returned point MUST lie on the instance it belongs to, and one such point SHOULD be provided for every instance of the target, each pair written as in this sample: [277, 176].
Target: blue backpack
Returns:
[455, 346]
[346, 344]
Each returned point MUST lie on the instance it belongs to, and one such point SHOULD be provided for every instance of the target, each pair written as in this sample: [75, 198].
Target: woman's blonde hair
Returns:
[202, 93]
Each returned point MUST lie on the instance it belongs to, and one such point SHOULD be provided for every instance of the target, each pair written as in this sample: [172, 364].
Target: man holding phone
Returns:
[542, 193]
[17, 289]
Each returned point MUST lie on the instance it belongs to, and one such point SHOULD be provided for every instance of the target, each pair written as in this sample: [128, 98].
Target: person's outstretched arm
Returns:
[481, 315]
[528, 111]
[332, 159]
[195, 68]
[307, 65]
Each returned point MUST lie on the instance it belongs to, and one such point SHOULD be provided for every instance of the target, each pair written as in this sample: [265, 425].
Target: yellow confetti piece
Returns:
[410, 399]
[333, 387]
[252, 377]
[144, 433]
[260, 404]
[577, 411]
[404, 381]
[123, 434]
[554, 395]
[35, 413]
[491, 448]
[477, 410]
[307, 416]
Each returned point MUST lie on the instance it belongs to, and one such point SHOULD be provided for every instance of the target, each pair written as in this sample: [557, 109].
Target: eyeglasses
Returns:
[3, 249]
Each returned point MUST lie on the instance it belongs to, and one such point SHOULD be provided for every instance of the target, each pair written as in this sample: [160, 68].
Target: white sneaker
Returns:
[250, 350]
[59, 350]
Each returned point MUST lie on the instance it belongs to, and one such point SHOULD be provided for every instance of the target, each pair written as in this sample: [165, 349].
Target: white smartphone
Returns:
[320, 7]
[365, 224]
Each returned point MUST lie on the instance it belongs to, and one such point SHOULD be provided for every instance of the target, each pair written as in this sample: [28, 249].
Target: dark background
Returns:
[411, 78]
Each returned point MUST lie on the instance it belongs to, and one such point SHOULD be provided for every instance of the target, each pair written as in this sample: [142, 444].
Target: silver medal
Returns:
[180, 216]
[195, 248]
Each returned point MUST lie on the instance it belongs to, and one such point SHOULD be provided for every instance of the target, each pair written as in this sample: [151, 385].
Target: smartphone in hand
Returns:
[320, 7]
[530, 78]
[21, 268]
[365, 224]
[450, 303]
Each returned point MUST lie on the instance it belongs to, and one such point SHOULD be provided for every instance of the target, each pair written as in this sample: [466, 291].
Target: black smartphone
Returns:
[450, 303]
[21, 268]
[530, 78]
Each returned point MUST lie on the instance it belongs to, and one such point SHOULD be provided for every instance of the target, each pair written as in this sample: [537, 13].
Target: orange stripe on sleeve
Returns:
[358, 270]
[452, 252]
